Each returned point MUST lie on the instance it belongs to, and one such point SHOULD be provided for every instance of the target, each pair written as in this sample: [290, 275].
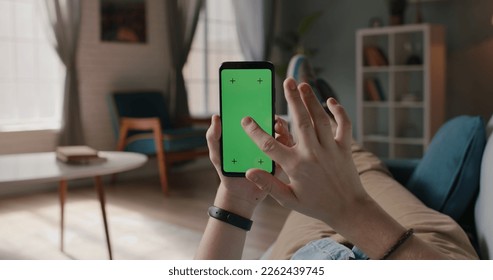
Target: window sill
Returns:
[29, 128]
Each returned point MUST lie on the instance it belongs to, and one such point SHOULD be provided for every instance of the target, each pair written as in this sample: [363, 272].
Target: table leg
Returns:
[100, 191]
[62, 193]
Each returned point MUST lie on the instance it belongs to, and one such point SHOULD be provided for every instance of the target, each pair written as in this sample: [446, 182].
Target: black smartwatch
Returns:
[230, 218]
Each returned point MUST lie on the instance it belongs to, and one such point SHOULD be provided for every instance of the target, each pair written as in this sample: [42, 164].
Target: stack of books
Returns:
[78, 155]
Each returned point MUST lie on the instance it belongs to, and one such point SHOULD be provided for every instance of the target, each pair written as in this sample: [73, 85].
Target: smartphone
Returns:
[246, 89]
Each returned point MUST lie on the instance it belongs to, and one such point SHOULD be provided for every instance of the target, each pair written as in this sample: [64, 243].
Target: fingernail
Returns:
[305, 88]
[332, 101]
[291, 85]
[277, 121]
[246, 121]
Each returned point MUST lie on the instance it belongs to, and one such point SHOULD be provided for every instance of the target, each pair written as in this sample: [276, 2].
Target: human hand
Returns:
[236, 193]
[324, 182]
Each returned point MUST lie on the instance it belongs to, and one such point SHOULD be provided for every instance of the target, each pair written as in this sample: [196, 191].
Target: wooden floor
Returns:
[143, 224]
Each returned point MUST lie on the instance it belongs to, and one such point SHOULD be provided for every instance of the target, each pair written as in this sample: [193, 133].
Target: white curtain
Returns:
[64, 20]
[254, 21]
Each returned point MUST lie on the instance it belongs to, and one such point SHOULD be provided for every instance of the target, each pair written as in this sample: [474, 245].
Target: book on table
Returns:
[78, 155]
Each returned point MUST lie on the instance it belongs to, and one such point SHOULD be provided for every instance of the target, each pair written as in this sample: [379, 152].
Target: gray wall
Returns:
[469, 34]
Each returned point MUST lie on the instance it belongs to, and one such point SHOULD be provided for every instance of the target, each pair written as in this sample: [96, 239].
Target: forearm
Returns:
[222, 240]
[374, 231]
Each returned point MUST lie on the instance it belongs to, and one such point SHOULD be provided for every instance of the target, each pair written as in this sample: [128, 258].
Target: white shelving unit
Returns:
[401, 119]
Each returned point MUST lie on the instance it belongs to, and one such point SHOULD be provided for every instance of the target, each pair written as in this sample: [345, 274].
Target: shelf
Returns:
[397, 140]
[393, 68]
[404, 68]
[408, 104]
[409, 141]
[390, 30]
[376, 69]
[400, 97]
[376, 138]
[376, 104]
[397, 104]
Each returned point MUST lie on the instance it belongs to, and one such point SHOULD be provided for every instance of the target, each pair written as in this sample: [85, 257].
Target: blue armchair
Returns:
[142, 124]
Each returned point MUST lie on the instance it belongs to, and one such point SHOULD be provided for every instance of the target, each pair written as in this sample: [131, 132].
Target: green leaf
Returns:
[307, 22]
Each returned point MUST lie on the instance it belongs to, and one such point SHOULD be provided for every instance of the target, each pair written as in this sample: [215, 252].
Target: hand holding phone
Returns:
[246, 89]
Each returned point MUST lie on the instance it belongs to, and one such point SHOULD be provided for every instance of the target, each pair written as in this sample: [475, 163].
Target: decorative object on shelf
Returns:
[414, 49]
[397, 10]
[419, 12]
[375, 22]
[123, 21]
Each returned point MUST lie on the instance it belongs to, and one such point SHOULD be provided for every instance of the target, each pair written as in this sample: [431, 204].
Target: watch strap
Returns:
[230, 218]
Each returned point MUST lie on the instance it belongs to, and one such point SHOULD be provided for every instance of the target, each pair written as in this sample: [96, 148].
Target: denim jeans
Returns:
[328, 249]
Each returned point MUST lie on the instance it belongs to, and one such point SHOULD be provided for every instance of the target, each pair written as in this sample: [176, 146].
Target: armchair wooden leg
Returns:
[163, 173]
[161, 158]
[147, 124]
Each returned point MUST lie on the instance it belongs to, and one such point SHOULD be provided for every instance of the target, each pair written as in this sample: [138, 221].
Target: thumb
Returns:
[272, 186]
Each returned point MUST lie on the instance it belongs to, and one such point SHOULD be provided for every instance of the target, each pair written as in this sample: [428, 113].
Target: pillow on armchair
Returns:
[447, 177]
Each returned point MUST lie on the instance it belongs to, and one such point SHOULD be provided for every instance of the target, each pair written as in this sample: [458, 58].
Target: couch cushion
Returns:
[484, 205]
[447, 178]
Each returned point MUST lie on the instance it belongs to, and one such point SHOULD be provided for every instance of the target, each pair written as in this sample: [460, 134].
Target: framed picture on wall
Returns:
[123, 21]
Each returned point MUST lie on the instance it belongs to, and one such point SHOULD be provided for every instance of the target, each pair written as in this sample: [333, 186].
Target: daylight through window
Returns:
[215, 41]
[31, 74]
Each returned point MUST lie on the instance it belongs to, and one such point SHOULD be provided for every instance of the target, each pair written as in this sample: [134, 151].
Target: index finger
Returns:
[275, 150]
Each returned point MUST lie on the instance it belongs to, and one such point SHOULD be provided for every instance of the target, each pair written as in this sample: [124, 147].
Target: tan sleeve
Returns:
[435, 228]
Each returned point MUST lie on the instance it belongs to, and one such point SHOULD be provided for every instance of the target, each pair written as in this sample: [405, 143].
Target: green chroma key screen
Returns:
[246, 89]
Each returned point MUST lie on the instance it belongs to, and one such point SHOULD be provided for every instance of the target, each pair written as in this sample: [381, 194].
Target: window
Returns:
[31, 74]
[215, 41]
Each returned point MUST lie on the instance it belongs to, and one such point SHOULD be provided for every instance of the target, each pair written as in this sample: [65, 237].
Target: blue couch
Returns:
[454, 177]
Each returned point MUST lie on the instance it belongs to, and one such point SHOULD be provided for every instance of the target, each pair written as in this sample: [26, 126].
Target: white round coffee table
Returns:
[35, 168]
